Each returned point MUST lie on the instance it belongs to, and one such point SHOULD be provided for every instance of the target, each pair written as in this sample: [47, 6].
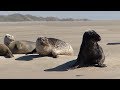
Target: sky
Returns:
[93, 15]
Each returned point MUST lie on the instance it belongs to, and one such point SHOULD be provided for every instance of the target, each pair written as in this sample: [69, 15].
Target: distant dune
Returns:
[19, 17]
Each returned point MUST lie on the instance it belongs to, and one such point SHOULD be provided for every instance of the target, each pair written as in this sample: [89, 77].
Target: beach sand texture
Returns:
[23, 66]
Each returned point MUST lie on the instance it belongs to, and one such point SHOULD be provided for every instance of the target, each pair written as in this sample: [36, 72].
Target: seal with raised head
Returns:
[90, 53]
[5, 51]
[52, 47]
[18, 47]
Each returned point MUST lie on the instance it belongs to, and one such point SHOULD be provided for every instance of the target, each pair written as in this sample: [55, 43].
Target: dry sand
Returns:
[34, 67]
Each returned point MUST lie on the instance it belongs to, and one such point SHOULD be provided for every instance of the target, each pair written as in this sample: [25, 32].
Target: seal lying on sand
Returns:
[18, 47]
[52, 47]
[90, 54]
[5, 51]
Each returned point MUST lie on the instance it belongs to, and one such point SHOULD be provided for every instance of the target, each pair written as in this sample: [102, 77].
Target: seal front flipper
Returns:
[9, 54]
[19, 45]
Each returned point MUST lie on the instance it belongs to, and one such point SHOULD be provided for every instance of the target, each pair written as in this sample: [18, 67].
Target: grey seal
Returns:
[18, 47]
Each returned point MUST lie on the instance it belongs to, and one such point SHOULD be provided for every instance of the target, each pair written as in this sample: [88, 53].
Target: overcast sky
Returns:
[94, 15]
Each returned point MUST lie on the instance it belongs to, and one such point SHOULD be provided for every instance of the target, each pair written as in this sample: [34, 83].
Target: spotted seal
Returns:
[52, 47]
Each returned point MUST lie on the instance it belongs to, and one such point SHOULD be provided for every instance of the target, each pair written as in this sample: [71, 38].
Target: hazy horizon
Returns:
[93, 15]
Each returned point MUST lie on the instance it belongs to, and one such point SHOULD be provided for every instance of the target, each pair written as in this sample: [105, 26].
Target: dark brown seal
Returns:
[90, 54]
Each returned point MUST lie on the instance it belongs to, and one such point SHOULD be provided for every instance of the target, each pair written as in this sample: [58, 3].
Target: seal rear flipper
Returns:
[101, 66]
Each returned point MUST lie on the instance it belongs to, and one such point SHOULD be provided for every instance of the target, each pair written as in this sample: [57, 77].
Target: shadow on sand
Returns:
[113, 43]
[27, 57]
[63, 67]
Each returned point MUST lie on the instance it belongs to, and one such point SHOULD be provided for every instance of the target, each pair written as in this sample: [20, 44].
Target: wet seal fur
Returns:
[52, 47]
[5, 51]
[18, 47]
[90, 54]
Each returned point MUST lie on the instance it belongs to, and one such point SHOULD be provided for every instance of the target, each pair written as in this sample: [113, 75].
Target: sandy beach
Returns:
[23, 66]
